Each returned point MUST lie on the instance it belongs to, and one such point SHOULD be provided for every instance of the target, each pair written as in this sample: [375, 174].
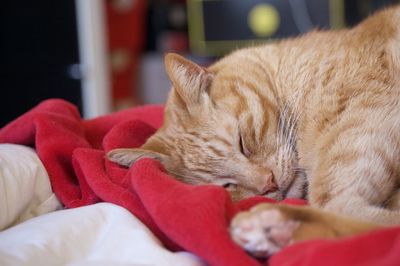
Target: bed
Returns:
[64, 203]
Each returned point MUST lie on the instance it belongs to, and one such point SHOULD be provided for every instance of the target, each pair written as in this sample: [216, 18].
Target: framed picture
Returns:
[218, 26]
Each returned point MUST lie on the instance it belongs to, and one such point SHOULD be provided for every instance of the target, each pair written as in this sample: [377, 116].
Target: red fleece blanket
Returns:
[184, 217]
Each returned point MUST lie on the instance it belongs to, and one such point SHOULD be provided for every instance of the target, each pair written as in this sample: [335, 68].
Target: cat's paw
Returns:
[263, 231]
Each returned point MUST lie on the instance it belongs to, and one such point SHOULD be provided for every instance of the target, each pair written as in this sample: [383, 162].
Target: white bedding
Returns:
[100, 234]
[25, 190]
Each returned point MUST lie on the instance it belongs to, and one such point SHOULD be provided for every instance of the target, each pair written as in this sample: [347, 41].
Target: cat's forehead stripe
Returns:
[254, 101]
[241, 103]
[256, 109]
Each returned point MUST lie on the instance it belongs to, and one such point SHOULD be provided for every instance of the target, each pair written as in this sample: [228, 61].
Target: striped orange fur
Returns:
[314, 117]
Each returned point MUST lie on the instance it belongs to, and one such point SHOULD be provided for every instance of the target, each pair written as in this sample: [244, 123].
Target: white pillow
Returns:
[25, 190]
[100, 234]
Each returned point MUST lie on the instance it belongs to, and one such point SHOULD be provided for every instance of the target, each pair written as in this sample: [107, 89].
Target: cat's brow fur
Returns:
[320, 111]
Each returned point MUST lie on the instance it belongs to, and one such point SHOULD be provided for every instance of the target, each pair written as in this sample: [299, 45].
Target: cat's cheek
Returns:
[242, 193]
[276, 195]
[235, 195]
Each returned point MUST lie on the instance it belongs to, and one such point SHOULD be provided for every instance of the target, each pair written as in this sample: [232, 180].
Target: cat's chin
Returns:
[298, 188]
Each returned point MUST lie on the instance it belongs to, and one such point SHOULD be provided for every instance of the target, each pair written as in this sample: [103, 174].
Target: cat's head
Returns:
[219, 129]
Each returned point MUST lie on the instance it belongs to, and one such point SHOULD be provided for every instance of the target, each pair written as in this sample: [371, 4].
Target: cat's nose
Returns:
[270, 184]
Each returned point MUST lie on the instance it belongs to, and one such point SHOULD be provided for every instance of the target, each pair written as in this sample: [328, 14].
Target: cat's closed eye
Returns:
[242, 146]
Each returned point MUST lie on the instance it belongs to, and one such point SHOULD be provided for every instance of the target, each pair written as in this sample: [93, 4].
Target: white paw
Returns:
[264, 232]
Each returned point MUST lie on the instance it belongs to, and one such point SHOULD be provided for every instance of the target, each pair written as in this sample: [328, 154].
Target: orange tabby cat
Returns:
[316, 116]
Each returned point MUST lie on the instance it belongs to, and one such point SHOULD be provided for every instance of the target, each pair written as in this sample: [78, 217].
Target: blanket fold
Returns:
[183, 217]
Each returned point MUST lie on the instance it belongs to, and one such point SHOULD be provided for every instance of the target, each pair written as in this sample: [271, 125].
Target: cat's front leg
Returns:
[267, 228]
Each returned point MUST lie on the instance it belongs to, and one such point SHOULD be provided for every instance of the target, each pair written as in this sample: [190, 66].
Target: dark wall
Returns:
[37, 49]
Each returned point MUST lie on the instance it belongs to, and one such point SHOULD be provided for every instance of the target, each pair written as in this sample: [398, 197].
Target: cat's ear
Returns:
[189, 80]
[127, 157]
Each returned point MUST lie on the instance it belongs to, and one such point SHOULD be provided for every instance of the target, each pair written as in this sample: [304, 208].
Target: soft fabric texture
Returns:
[183, 217]
[25, 190]
[100, 234]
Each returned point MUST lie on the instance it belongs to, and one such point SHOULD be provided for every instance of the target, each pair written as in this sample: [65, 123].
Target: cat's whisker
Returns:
[290, 115]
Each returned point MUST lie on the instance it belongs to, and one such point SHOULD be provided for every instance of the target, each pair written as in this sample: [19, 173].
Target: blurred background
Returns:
[107, 55]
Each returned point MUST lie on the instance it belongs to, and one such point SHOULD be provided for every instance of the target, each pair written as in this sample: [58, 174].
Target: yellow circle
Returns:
[263, 20]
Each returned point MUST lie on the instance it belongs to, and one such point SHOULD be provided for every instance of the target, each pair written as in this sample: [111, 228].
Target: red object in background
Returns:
[126, 27]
